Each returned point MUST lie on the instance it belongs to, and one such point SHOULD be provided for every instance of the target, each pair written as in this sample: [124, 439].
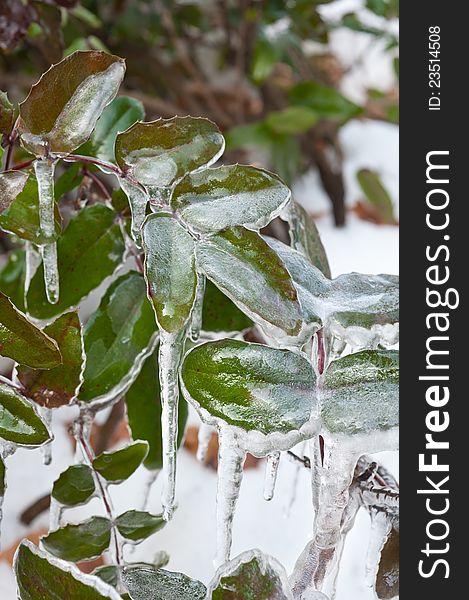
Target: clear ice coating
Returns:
[138, 199]
[380, 529]
[204, 435]
[146, 583]
[46, 415]
[44, 170]
[196, 317]
[271, 471]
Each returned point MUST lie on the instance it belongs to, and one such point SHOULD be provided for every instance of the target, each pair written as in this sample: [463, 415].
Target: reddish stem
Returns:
[23, 165]
[321, 351]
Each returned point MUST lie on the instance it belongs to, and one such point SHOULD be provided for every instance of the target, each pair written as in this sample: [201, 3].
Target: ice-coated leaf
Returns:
[360, 392]
[117, 338]
[22, 215]
[145, 583]
[24, 342]
[376, 194]
[325, 101]
[79, 542]
[137, 525]
[11, 185]
[143, 401]
[169, 270]
[252, 386]
[58, 386]
[250, 576]
[12, 277]
[387, 578]
[242, 265]
[117, 466]
[220, 314]
[74, 486]
[63, 107]
[19, 421]
[159, 153]
[42, 577]
[214, 199]
[90, 249]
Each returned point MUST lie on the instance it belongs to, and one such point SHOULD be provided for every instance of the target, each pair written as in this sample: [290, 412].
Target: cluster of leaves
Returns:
[201, 264]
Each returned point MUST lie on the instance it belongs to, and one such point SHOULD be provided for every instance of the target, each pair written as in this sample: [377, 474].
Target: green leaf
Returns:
[250, 576]
[144, 412]
[376, 194]
[59, 386]
[220, 314]
[253, 134]
[214, 199]
[360, 392]
[384, 8]
[144, 583]
[22, 216]
[242, 265]
[41, 577]
[265, 56]
[12, 277]
[117, 337]
[325, 101]
[117, 117]
[80, 542]
[63, 107]
[387, 578]
[292, 120]
[11, 185]
[254, 387]
[161, 152]
[169, 270]
[74, 486]
[90, 249]
[19, 421]
[70, 179]
[24, 342]
[7, 114]
[119, 465]
[137, 525]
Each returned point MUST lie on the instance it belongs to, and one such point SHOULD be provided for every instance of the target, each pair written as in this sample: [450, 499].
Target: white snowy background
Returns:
[280, 528]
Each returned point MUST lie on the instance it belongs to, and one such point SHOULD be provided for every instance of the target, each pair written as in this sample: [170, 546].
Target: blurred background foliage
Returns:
[262, 70]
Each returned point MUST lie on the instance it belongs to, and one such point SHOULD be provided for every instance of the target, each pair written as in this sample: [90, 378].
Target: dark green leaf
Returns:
[70, 179]
[19, 422]
[59, 386]
[220, 314]
[137, 525]
[24, 342]
[74, 486]
[11, 185]
[384, 8]
[144, 412]
[117, 466]
[265, 56]
[325, 101]
[253, 134]
[376, 194]
[63, 107]
[249, 385]
[12, 278]
[243, 266]
[214, 199]
[170, 270]
[7, 114]
[144, 583]
[117, 338]
[90, 249]
[79, 542]
[42, 577]
[387, 578]
[292, 120]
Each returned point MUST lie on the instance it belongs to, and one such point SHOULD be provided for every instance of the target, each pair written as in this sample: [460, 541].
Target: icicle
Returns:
[196, 320]
[231, 457]
[170, 352]
[44, 170]
[316, 470]
[380, 530]
[46, 450]
[204, 436]
[55, 515]
[32, 263]
[271, 470]
[138, 199]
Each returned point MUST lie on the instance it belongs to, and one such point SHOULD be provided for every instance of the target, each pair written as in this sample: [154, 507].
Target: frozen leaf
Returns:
[360, 393]
[159, 153]
[119, 465]
[7, 115]
[24, 342]
[243, 266]
[144, 583]
[170, 270]
[79, 542]
[251, 386]
[214, 199]
[250, 576]
[41, 577]
[63, 107]
[387, 578]
[137, 525]
[376, 194]
[325, 101]
[143, 402]
[11, 185]
[74, 486]
[12, 278]
[22, 215]
[19, 421]
[90, 249]
[220, 314]
[117, 337]
[58, 386]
